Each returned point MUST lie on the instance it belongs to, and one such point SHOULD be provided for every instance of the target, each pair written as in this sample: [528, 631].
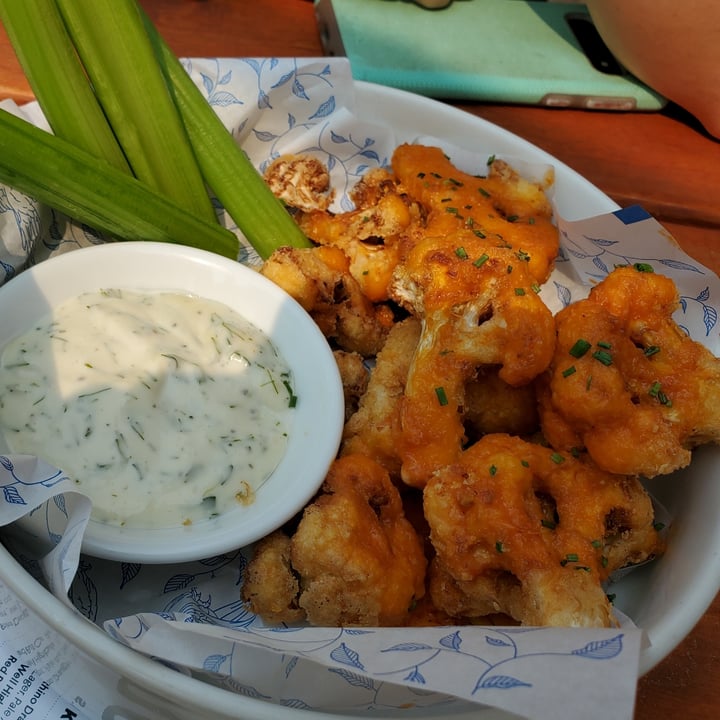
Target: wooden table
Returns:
[663, 161]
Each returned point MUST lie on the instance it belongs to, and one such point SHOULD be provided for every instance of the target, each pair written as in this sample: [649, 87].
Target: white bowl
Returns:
[318, 418]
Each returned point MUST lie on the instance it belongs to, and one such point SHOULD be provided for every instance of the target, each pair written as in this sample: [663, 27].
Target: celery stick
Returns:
[260, 216]
[92, 191]
[119, 58]
[57, 78]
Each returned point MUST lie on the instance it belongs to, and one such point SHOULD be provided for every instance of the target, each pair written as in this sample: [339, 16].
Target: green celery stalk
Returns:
[90, 190]
[259, 214]
[58, 80]
[120, 60]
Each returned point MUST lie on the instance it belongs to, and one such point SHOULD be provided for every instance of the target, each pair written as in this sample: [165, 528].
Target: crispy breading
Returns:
[644, 393]
[358, 559]
[269, 584]
[519, 529]
[319, 279]
[354, 375]
[478, 307]
[300, 181]
[492, 406]
[374, 430]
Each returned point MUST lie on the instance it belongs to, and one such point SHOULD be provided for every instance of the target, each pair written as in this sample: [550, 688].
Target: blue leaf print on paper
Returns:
[601, 242]
[415, 676]
[452, 641]
[207, 83]
[500, 682]
[286, 78]
[703, 295]
[6, 463]
[12, 496]
[408, 647]
[297, 704]
[601, 649]
[213, 663]
[371, 155]
[298, 90]
[224, 99]
[178, 582]
[497, 642]
[680, 265]
[324, 109]
[598, 263]
[291, 665]
[563, 293]
[337, 138]
[354, 679]
[263, 100]
[264, 135]
[226, 78]
[59, 501]
[128, 571]
[347, 656]
[710, 317]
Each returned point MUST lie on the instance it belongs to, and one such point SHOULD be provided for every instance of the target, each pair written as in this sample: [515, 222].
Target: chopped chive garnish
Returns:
[490, 160]
[536, 288]
[603, 356]
[441, 396]
[644, 267]
[483, 192]
[656, 392]
[557, 458]
[567, 372]
[493, 469]
[499, 547]
[658, 526]
[461, 253]
[549, 524]
[525, 463]
[579, 348]
[604, 344]
[481, 260]
[596, 543]
[519, 291]
[512, 218]
[480, 234]
[651, 350]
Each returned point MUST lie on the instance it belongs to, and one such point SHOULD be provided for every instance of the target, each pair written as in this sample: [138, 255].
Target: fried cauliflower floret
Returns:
[368, 236]
[269, 583]
[521, 530]
[357, 558]
[374, 430]
[319, 279]
[502, 209]
[493, 406]
[478, 308]
[626, 381]
[354, 376]
[300, 181]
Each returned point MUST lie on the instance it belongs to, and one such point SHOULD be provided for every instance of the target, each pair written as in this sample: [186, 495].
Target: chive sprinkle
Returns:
[644, 267]
[441, 396]
[579, 348]
[481, 260]
[651, 350]
[461, 253]
[567, 372]
[603, 356]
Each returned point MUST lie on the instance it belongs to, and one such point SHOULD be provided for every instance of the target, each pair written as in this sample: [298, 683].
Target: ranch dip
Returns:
[163, 408]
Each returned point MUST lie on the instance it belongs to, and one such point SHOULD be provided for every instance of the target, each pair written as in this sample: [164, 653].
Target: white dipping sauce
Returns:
[164, 408]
